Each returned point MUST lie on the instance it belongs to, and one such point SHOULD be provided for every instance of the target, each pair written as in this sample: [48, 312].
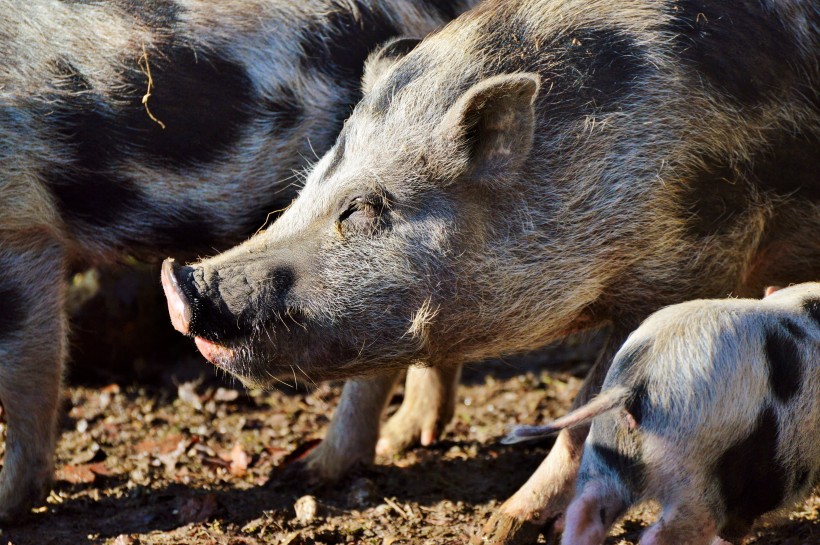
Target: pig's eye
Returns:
[362, 213]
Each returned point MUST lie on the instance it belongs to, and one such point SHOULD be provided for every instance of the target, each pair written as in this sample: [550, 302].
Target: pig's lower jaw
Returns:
[218, 355]
[227, 359]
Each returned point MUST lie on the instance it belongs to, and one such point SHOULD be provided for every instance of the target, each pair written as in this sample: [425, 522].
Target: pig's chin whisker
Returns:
[294, 320]
[306, 375]
[279, 317]
[274, 378]
[295, 383]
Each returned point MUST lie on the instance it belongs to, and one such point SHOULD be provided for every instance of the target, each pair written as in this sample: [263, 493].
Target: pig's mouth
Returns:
[182, 311]
[217, 354]
[232, 359]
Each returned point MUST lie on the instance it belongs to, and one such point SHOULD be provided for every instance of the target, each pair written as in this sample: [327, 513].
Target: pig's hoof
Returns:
[504, 529]
[326, 465]
[15, 504]
[407, 429]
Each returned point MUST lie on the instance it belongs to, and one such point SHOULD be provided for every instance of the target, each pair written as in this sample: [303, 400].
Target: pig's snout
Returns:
[225, 304]
[179, 306]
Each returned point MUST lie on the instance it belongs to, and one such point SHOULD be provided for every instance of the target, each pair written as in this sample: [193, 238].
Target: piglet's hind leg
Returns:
[429, 405]
[591, 515]
[682, 525]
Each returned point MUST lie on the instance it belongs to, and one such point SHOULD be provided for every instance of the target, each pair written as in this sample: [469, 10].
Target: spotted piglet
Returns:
[711, 407]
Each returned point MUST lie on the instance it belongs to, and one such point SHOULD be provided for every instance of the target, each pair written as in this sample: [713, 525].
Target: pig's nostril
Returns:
[178, 305]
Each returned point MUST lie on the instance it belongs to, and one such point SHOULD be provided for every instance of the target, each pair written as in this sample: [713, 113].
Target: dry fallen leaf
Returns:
[82, 473]
[166, 445]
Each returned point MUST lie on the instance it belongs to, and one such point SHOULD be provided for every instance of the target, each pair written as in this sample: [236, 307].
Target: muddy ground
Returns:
[158, 449]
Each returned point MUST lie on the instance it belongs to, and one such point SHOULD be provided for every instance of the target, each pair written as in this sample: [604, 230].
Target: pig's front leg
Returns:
[354, 430]
[428, 406]
[32, 349]
[542, 500]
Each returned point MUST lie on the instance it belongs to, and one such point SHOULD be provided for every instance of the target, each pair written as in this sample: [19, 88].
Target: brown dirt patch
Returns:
[202, 462]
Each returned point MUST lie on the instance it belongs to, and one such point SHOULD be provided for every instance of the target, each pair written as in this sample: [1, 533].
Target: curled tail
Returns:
[602, 403]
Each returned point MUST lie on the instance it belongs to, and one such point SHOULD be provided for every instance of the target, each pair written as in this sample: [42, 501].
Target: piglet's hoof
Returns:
[503, 529]
[16, 503]
[326, 464]
[404, 431]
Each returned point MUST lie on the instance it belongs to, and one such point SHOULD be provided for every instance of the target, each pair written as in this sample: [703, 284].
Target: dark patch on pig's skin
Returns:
[203, 100]
[795, 330]
[69, 78]
[447, 9]
[82, 192]
[91, 198]
[338, 44]
[188, 231]
[12, 311]
[379, 101]
[598, 68]
[812, 308]
[589, 69]
[286, 112]
[785, 364]
[338, 155]
[737, 46]
[631, 470]
[712, 199]
[154, 13]
[636, 402]
[399, 48]
[788, 166]
[629, 363]
[752, 481]
[801, 479]
[734, 530]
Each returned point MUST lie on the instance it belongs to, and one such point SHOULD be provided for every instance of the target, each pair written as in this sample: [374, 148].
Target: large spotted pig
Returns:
[711, 407]
[535, 168]
[147, 127]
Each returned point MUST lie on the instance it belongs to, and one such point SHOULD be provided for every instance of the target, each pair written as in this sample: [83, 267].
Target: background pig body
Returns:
[712, 407]
[130, 128]
[533, 169]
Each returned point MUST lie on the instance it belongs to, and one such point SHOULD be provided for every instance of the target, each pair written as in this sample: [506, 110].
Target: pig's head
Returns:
[411, 240]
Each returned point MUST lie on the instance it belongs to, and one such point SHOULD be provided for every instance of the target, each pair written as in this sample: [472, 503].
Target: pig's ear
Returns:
[490, 127]
[382, 59]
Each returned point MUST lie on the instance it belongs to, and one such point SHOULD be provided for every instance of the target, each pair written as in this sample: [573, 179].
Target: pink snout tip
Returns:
[178, 307]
